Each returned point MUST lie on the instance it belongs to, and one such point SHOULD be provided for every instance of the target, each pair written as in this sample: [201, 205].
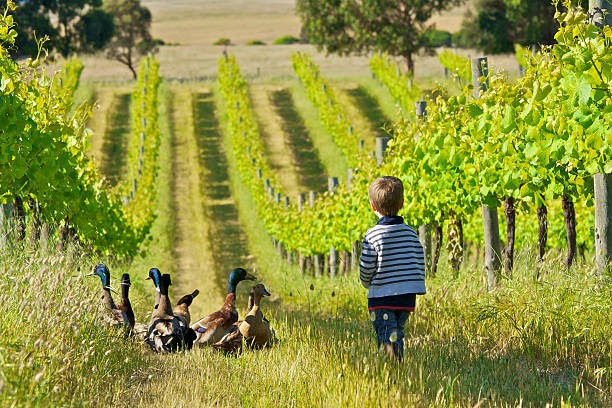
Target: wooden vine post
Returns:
[602, 182]
[420, 109]
[489, 214]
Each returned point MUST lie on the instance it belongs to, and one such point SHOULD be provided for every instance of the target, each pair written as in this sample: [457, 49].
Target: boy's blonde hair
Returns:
[387, 195]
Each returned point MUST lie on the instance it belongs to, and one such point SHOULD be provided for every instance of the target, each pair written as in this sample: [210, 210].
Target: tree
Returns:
[398, 27]
[132, 37]
[70, 25]
[499, 24]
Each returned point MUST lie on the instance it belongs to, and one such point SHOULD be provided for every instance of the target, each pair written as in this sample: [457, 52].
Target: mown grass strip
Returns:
[308, 166]
[116, 138]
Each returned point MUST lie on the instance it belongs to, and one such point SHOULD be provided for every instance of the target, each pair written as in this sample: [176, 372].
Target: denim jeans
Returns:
[389, 327]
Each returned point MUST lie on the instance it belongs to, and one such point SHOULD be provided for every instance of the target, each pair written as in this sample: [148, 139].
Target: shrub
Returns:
[256, 42]
[437, 38]
[223, 41]
[287, 39]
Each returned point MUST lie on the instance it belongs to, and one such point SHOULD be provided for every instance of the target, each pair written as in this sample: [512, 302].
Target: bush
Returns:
[223, 41]
[256, 42]
[287, 39]
[437, 38]
[462, 39]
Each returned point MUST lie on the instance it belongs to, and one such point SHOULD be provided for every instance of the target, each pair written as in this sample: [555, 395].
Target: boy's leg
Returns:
[400, 317]
[386, 327]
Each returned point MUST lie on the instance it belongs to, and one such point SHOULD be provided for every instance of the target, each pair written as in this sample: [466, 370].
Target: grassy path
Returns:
[208, 240]
[275, 141]
[308, 168]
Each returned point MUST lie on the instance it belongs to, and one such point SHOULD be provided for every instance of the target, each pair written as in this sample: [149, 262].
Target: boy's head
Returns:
[386, 195]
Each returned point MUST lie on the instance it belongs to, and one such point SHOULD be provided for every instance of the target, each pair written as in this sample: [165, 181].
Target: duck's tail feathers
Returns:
[187, 299]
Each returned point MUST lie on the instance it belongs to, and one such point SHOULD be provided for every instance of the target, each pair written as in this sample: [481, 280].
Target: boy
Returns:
[392, 266]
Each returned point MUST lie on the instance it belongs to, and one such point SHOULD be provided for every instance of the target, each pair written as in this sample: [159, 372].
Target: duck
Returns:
[211, 328]
[133, 328]
[114, 316]
[165, 333]
[255, 328]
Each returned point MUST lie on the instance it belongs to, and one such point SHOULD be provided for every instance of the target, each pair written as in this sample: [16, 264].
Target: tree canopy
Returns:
[132, 32]
[496, 25]
[397, 27]
[71, 25]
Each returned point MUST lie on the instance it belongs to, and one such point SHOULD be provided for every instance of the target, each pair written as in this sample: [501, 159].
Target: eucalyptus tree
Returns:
[397, 27]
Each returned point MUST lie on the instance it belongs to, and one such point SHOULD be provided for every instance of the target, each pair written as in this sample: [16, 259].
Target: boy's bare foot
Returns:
[392, 350]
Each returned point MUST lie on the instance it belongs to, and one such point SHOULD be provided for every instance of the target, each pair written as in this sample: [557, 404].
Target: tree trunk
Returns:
[510, 213]
[36, 225]
[19, 214]
[569, 214]
[435, 250]
[409, 63]
[542, 231]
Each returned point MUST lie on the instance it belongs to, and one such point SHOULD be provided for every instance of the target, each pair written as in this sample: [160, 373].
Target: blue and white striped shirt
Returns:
[392, 260]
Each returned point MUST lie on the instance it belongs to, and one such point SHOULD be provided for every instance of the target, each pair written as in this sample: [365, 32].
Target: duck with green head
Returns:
[113, 315]
[211, 328]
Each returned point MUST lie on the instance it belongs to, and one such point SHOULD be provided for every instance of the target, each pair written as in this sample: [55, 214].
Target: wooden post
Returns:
[300, 201]
[349, 179]
[492, 244]
[333, 262]
[355, 254]
[318, 264]
[420, 108]
[259, 173]
[425, 238]
[596, 12]
[312, 195]
[6, 211]
[602, 182]
[361, 144]
[381, 147]
[603, 221]
[332, 183]
[286, 202]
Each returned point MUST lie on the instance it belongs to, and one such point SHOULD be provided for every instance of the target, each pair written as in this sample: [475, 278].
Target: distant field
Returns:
[190, 27]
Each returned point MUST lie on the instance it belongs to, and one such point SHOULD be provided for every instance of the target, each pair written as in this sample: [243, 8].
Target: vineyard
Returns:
[200, 177]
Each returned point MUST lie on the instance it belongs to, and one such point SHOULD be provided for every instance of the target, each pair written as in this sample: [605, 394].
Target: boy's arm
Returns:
[367, 263]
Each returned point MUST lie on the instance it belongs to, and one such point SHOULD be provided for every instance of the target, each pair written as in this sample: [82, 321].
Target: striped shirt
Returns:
[392, 260]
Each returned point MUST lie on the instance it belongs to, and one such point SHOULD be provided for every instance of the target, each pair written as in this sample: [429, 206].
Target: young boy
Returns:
[392, 265]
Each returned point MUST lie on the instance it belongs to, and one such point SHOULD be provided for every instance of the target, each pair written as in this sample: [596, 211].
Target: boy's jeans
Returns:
[389, 327]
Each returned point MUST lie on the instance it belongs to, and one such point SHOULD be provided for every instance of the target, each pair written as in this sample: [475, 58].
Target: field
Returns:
[541, 339]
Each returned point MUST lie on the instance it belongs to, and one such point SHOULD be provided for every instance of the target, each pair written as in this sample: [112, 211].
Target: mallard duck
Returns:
[155, 275]
[165, 332]
[139, 330]
[255, 328]
[211, 328]
[181, 310]
[113, 316]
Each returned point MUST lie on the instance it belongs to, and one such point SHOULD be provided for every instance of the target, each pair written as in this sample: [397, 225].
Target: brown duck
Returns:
[211, 328]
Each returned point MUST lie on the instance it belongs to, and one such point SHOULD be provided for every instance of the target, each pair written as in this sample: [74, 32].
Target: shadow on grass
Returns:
[309, 169]
[116, 137]
[369, 106]
[228, 240]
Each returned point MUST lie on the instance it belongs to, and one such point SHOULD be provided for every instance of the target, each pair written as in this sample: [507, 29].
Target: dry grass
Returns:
[190, 27]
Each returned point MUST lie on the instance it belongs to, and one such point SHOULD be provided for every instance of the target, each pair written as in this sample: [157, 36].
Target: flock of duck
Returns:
[170, 328]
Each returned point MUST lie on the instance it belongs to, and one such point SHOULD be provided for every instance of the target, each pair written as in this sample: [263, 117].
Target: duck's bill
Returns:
[250, 277]
[266, 293]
